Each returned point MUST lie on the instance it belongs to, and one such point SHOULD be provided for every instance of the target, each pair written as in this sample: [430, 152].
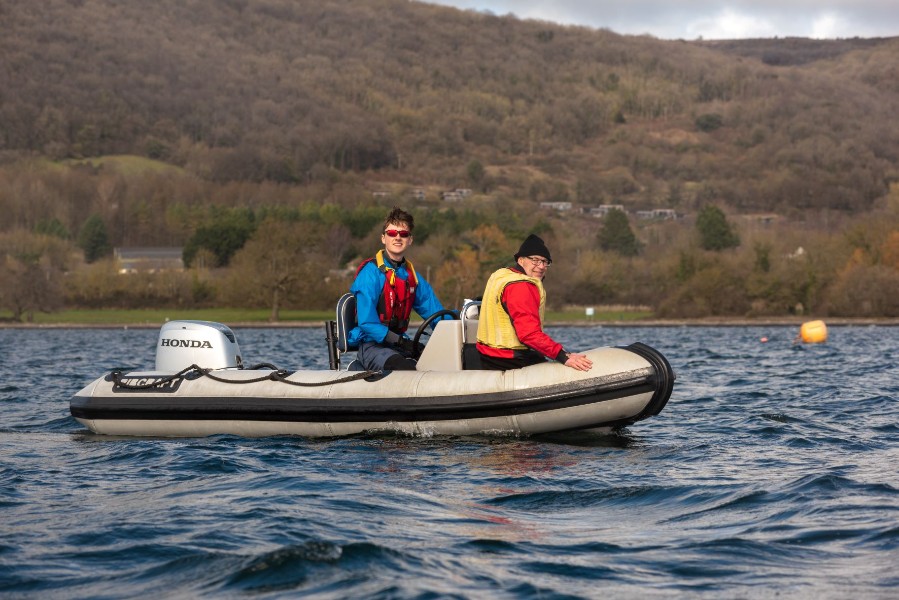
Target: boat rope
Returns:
[279, 375]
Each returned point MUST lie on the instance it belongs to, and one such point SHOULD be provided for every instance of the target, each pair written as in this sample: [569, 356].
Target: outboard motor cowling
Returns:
[203, 343]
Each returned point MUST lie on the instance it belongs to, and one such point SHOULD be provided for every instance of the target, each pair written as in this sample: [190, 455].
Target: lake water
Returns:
[771, 472]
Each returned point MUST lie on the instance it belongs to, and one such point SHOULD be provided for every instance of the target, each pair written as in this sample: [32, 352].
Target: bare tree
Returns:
[284, 264]
[30, 273]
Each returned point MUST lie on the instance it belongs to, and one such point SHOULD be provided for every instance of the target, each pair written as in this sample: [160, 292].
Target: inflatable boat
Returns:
[200, 387]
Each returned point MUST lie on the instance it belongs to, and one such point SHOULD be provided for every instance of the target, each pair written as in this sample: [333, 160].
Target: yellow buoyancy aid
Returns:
[494, 324]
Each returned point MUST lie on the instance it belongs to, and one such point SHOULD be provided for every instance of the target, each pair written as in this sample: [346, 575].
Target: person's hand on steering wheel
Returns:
[406, 346]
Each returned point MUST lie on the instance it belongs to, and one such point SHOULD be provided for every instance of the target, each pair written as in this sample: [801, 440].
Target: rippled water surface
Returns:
[771, 472]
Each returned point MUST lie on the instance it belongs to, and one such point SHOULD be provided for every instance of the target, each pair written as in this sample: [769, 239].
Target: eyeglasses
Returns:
[539, 262]
[403, 233]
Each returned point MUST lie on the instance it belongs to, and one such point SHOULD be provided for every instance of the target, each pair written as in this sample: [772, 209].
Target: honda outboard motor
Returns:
[203, 343]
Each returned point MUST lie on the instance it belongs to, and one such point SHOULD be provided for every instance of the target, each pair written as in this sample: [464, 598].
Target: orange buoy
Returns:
[813, 332]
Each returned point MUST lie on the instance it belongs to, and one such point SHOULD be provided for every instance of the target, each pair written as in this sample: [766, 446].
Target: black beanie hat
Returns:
[534, 246]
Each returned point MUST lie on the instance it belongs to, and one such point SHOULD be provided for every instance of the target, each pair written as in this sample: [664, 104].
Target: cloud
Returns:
[709, 19]
[826, 26]
[730, 25]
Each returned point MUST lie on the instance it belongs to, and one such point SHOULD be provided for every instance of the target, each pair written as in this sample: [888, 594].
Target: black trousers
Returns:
[521, 359]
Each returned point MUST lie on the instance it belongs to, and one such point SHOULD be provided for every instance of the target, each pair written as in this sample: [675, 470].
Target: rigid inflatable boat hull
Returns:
[624, 386]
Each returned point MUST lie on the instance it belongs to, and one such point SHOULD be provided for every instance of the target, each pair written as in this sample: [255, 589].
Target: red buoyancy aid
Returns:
[397, 297]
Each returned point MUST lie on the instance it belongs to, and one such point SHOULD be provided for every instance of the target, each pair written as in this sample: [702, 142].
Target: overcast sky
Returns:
[709, 19]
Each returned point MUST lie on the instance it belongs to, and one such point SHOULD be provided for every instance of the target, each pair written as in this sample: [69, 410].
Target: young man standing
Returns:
[510, 327]
[387, 290]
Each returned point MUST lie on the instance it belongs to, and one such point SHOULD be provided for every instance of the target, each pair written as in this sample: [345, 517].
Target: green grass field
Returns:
[261, 316]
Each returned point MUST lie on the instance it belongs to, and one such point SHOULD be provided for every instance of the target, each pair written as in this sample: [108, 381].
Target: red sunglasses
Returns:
[403, 233]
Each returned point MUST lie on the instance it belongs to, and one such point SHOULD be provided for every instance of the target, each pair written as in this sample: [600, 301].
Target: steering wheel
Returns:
[422, 329]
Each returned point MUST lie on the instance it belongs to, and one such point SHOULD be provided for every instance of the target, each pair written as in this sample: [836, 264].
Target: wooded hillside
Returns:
[281, 90]
[282, 107]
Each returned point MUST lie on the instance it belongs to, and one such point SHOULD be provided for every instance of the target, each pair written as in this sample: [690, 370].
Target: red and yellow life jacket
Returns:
[398, 296]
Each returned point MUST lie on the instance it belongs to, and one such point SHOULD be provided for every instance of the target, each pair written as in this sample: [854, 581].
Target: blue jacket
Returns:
[367, 288]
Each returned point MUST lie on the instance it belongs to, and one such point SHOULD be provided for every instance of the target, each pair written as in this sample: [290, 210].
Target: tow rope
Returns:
[194, 371]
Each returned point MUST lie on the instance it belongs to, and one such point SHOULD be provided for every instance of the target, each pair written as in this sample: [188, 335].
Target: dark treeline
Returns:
[157, 124]
[282, 246]
[793, 51]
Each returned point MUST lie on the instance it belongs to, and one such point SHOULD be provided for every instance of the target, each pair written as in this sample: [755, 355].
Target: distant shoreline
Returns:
[703, 322]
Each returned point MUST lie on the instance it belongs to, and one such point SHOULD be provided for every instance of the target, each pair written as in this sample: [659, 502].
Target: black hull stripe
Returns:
[360, 410]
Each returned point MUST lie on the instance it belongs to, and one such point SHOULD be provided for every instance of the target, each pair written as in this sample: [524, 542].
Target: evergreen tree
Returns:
[715, 232]
[223, 238]
[93, 239]
[52, 227]
[616, 234]
[476, 173]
